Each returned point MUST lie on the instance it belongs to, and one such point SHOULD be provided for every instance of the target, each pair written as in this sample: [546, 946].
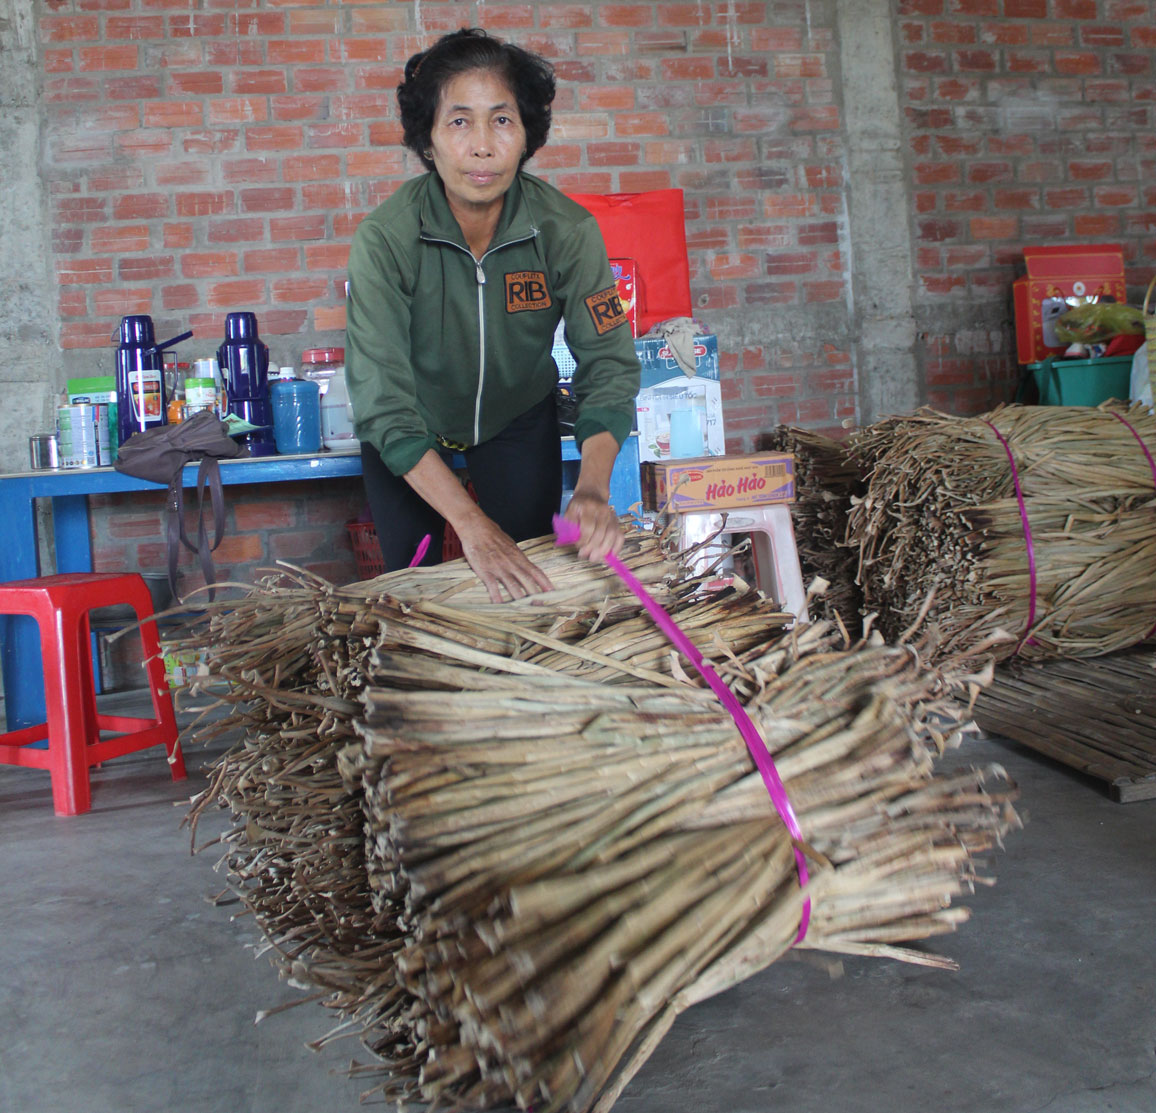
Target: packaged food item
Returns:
[200, 394]
[79, 435]
[718, 482]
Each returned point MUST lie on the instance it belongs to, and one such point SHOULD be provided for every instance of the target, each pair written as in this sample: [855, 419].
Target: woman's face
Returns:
[477, 141]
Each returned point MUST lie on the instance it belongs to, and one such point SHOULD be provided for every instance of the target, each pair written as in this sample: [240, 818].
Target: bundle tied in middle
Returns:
[566, 841]
[1030, 530]
[569, 865]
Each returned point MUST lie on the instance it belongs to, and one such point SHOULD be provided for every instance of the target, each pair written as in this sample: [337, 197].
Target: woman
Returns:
[457, 284]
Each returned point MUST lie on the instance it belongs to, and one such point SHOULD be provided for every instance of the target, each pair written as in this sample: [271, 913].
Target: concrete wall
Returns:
[30, 364]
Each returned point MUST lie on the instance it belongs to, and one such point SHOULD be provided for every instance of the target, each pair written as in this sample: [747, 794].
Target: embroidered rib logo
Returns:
[526, 290]
[606, 310]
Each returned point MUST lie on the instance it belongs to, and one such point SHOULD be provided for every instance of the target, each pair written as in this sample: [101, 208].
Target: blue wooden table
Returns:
[69, 488]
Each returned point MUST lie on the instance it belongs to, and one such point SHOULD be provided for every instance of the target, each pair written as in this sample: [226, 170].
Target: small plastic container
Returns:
[337, 416]
[296, 416]
[1083, 382]
[321, 364]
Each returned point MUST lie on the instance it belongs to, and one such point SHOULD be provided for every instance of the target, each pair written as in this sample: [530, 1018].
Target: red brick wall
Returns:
[209, 160]
[302, 523]
[200, 161]
[1031, 121]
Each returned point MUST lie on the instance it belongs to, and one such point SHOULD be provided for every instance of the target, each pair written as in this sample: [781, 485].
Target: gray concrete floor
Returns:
[123, 989]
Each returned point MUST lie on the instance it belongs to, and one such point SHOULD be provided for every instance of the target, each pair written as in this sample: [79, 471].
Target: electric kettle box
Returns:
[97, 391]
[718, 482]
[1060, 276]
[666, 387]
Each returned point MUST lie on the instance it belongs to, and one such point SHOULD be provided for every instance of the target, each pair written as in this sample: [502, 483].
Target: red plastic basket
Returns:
[367, 552]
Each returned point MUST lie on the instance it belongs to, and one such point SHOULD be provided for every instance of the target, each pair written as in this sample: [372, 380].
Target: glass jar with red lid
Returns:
[321, 364]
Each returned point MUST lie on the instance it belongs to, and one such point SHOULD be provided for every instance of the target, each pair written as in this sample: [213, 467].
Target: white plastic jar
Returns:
[326, 367]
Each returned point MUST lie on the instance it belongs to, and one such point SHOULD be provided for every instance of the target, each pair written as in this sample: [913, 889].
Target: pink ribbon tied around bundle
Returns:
[568, 533]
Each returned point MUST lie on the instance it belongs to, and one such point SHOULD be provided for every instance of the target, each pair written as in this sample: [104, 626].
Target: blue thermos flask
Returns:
[140, 376]
[244, 362]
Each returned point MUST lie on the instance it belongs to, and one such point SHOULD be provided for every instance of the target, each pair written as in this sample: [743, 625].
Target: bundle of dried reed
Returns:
[1096, 716]
[570, 865]
[560, 823]
[290, 656]
[826, 479]
[1029, 529]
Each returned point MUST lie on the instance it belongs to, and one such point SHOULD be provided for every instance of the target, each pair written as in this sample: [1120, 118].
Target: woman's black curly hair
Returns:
[530, 78]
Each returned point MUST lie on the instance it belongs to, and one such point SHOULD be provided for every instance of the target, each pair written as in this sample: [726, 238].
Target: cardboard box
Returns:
[625, 273]
[718, 482]
[183, 666]
[1058, 278]
[665, 388]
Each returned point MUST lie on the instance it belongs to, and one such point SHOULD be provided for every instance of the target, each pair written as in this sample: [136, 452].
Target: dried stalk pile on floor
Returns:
[1095, 716]
[569, 866]
[290, 657]
[826, 479]
[565, 841]
[1070, 573]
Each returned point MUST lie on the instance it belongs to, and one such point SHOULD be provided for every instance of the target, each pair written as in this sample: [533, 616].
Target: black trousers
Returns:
[517, 476]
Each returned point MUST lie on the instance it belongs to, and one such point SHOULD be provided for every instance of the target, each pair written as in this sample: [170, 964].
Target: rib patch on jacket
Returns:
[526, 290]
[606, 310]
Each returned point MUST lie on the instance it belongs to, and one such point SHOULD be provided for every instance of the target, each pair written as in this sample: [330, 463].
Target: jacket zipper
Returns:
[480, 275]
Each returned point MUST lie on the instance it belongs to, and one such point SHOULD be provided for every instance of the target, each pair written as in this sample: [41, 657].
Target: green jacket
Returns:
[441, 345]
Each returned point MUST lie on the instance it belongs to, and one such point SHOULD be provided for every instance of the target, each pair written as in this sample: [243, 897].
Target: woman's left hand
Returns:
[601, 532]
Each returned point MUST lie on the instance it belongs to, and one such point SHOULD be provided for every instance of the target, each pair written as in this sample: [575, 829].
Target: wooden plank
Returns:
[1094, 715]
[1127, 792]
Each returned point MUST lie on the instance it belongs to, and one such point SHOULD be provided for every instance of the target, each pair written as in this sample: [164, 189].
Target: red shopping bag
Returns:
[649, 228]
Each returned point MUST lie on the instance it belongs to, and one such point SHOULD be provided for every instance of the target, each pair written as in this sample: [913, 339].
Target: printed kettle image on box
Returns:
[679, 415]
[625, 278]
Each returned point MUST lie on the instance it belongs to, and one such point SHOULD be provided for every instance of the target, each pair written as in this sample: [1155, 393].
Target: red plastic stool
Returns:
[60, 606]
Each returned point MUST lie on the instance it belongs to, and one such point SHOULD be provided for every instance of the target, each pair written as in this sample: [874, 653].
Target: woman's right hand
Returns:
[498, 562]
[488, 549]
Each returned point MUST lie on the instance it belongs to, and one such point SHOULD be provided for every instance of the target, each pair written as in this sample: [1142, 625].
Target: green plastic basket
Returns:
[1082, 382]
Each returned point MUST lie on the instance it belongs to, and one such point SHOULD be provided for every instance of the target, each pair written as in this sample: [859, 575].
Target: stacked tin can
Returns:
[82, 436]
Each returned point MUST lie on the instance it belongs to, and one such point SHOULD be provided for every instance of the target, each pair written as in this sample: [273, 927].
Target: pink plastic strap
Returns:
[1027, 537]
[1140, 442]
[568, 533]
[422, 549]
[1151, 464]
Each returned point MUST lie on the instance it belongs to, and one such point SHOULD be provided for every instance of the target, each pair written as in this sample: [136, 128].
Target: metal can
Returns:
[200, 393]
[77, 430]
[42, 448]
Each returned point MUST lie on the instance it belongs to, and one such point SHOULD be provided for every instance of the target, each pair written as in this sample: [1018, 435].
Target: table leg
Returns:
[625, 483]
[71, 529]
[19, 636]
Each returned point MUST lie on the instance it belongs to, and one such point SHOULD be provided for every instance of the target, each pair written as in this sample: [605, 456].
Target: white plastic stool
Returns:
[777, 570]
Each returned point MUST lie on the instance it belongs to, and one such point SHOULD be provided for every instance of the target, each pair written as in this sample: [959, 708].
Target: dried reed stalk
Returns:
[289, 657]
[939, 530]
[545, 840]
[826, 480]
[569, 866]
[1096, 716]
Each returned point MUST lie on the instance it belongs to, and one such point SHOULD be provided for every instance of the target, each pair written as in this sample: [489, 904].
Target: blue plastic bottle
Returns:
[296, 416]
